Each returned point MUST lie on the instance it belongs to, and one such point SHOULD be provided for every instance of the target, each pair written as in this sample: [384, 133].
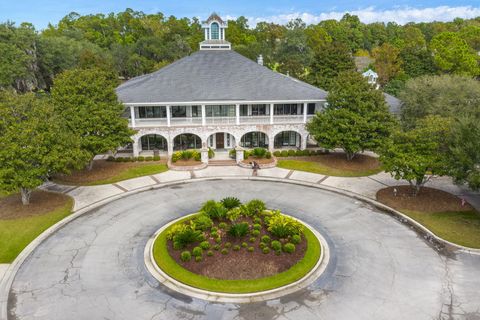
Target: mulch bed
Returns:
[338, 160]
[240, 265]
[101, 170]
[427, 200]
[41, 202]
[258, 160]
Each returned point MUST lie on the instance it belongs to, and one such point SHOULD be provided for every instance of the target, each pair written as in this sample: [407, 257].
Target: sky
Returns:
[42, 12]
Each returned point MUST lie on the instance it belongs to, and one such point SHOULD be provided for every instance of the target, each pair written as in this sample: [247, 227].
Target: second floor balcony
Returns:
[171, 116]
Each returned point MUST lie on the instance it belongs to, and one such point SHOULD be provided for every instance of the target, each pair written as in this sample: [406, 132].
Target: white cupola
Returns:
[214, 28]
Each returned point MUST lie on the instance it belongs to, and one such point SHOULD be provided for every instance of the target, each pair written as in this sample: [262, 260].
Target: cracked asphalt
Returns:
[93, 267]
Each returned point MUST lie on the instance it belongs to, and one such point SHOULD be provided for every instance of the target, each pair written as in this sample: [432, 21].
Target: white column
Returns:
[132, 115]
[168, 115]
[305, 105]
[237, 114]
[204, 120]
[271, 113]
[206, 34]
[136, 150]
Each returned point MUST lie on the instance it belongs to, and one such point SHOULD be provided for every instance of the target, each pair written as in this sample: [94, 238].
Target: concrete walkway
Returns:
[365, 186]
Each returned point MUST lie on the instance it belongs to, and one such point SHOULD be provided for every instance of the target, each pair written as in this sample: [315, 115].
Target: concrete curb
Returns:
[9, 276]
[173, 167]
[182, 288]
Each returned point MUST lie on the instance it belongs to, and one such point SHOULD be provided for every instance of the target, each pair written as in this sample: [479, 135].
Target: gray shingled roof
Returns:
[211, 75]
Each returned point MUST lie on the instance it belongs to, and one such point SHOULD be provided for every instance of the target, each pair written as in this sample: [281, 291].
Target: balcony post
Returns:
[271, 113]
[305, 105]
[204, 120]
[132, 116]
[168, 116]
[237, 114]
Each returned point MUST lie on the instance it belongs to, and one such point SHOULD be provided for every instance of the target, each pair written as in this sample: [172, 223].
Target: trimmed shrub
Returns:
[177, 246]
[291, 153]
[283, 226]
[276, 245]
[299, 153]
[262, 245]
[224, 251]
[205, 245]
[268, 155]
[252, 239]
[255, 206]
[278, 252]
[236, 247]
[284, 153]
[222, 225]
[234, 214]
[211, 153]
[250, 249]
[228, 245]
[202, 222]
[197, 251]
[198, 259]
[265, 239]
[277, 153]
[238, 229]
[214, 234]
[230, 202]
[186, 256]
[289, 248]
[218, 239]
[244, 244]
[216, 247]
[141, 159]
[156, 158]
[209, 253]
[255, 233]
[259, 152]
[257, 220]
[148, 158]
[213, 209]
[214, 229]
[257, 226]
[176, 156]
[296, 239]
[110, 158]
[266, 250]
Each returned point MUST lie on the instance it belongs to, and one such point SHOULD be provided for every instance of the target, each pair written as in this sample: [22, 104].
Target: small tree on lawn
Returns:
[464, 152]
[418, 154]
[356, 117]
[87, 101]
[34, 144]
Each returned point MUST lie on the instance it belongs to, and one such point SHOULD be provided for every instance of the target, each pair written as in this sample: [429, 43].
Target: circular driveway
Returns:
[93, 267]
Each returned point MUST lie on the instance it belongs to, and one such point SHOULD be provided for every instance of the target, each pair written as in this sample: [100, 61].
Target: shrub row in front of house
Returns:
[258, 153]
[297, 153]
[186, 155]
[133, 159]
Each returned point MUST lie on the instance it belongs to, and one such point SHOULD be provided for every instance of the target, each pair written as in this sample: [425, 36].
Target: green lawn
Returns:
[144, 170]
[317, 167]
[462, 228]
[176, 271]
[16, 234]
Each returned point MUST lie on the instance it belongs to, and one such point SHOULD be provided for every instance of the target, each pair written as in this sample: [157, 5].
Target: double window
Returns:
[152, 112]
[287, 109]
[220, 111]
[254, 110]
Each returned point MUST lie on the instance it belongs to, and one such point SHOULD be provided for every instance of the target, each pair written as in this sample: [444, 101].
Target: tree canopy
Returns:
[87, 102]
[356, 117]
[34, 143]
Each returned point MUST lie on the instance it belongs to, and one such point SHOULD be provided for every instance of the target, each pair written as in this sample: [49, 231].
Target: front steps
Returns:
[222, 163]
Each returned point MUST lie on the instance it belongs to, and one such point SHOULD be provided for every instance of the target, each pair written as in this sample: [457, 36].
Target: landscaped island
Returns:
[237, 248]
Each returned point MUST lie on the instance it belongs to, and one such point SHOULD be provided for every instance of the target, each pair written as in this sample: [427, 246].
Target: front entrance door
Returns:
[219, 137]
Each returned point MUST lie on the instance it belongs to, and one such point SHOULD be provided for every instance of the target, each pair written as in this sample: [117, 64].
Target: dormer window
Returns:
[215, 30]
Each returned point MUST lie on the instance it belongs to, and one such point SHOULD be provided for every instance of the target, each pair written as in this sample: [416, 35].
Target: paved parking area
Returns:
[93, 268]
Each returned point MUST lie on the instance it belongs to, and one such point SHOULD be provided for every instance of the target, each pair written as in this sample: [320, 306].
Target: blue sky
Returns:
[41, 12]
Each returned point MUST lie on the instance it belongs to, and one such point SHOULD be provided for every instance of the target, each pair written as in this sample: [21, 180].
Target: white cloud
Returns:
[401, 15]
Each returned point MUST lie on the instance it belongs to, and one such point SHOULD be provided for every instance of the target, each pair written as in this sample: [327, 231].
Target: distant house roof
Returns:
[394, 104]
[214, 17]
[216, 76]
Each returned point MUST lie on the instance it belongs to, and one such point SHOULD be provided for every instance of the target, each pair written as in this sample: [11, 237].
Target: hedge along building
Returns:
[220, 99]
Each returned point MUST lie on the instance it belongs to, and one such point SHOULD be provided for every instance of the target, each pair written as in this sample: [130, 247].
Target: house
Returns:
[220, 99]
